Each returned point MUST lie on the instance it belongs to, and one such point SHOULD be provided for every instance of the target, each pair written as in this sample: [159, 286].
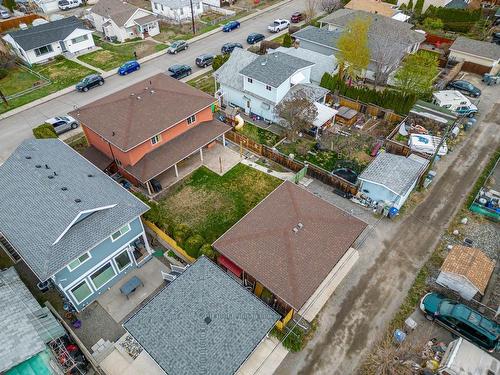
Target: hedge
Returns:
[390, 99]
[458, 20]
[44, 131]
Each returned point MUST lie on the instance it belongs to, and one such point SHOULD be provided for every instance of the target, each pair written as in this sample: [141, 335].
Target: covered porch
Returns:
[147, 26]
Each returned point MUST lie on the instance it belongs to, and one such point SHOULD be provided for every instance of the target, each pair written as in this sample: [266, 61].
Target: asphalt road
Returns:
[15, 129]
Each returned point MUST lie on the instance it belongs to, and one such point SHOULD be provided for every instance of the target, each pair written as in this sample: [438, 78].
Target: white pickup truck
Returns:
[278, 25]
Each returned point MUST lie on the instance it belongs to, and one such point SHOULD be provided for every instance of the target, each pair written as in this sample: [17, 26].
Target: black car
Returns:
[229, 47]
[465, 88]
[255, 38]
[495, 38]
[204, 60]
[90, 81]
[179, 71]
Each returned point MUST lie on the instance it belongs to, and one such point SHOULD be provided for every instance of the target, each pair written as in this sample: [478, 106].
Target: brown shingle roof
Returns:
[470, 263]
[135, 114]
[96, 157]
[290, 264]
[165, 156]
[118, 11]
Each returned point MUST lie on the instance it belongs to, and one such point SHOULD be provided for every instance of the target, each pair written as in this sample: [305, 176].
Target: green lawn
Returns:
[61, 72]
[259, 135]
[205, 82]
[210, 204]
[17, 80]
[113, 55]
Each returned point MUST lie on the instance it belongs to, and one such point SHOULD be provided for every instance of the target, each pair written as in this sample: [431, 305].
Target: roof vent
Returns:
[90, 175]
[55, 174]
[78, 200]
[152, 92]
[113, 133]
[139, 98]
[208, 320]
[295, 229]
[132, 94]
[47, 166]
[300, 225]
[28, 157]
[50, 177]
[64, 188]
[38, 166]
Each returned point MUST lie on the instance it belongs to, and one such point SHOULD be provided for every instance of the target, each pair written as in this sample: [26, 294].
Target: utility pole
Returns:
[192, 16]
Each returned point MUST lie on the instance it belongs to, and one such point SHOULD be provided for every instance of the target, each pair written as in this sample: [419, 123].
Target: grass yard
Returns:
[210, 204]
[78, 142]
[18, 79]
[61, 72]
[205, 83]
[113, 55]
[259, 135]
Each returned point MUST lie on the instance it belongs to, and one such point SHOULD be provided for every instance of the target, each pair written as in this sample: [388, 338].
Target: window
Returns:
[191, 119]
[156, 5]
[81, 292]
[78, 261]
[182, 10]
[120, 232]
[250, 80]
[80, 39]
[122, 260]
[156, 139]
[268, 88]
[103, 275]
[162, 7]
[43, 50]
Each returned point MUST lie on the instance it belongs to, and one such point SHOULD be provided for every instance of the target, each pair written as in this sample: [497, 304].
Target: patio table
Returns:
[130, 286]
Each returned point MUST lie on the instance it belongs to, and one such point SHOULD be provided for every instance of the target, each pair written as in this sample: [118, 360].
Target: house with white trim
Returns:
[177, 10]
[41, 43]
[121, 20]
[68, 221]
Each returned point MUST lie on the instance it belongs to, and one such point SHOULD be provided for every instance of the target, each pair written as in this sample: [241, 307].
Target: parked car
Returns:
[465, 88]
[229, 47]
[255, 38]
[462, 320]
[129, 67]
[297, 17]
[204, 60]
[4, 13]
[278, 25]
[177, 46]
[179, 71]
[89, 82]
[62, 124]
[68, 4]
[230, 26]
[495, 38]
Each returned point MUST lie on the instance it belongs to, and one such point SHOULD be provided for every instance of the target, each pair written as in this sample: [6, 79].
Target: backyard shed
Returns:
[347, 116]
[467, 271]
[391, 178]
[478, 56]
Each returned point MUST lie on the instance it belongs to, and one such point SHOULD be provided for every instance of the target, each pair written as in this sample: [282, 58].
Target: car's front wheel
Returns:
[101, 83]
[429, 317]
[85, 89]
[74, 125]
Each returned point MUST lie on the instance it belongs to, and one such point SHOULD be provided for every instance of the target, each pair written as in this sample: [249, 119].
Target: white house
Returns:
[467, 271]
[478, 56]
[41, 43]
[256, 84]
[391, 178]
[121, 21]
[178, 10]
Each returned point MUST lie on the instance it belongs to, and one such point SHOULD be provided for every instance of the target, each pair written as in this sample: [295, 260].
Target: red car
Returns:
[297, 17]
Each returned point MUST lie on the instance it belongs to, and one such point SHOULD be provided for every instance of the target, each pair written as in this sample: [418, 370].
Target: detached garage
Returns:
[478, 57]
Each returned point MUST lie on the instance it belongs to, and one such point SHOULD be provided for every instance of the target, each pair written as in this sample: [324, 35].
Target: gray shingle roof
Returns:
[476, 47]
[21, 334]
[321, 36]
[119, 11]
[229, 73]
[172, 327]
[46, 33]
[397, 173]
[274, 68]
[35, 211]
[177, 4]
[312, 91]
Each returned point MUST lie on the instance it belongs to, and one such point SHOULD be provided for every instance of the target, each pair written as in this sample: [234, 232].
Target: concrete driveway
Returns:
[356, 315]
[14, 129]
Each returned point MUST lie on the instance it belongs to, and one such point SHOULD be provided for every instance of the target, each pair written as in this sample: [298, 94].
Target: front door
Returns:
[63, 46]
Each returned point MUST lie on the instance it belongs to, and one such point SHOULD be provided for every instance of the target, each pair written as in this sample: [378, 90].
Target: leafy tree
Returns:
[419, 5]
[181, 233]
[410, 6]
[44, 131]
[296, 113]
[417, 73]
[354, 54]
[219, 60]
[208, 251]
[287, 41]
[9, 4]
[310, 11]
[192, 245]
[433, 23]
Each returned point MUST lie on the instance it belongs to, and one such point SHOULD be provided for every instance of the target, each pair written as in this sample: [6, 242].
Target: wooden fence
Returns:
[370, 109]
[294, 165]
[13, 23]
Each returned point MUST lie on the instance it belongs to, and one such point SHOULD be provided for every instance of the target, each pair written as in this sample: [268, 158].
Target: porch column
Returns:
[176, 170]
[224, 139]
[148, 186]
[201, 154]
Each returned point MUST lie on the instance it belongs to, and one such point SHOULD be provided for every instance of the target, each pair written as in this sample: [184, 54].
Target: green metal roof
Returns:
[434, 112]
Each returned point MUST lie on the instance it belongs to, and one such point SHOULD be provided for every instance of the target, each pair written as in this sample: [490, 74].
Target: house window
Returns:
[156, 139]
[80, 39]
[162, 7]
[268, 88]
[103, 275]
[81, 291]
[120, 232]
[122, 261]
[78, 261]
[181, 10]
[250, 80]
[191, 119]
[156, 6]
[43, 50]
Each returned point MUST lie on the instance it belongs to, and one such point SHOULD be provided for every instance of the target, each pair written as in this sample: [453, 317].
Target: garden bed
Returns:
[259, 135]
[205, 83]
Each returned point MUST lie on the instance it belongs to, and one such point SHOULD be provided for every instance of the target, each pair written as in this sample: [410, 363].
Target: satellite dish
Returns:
[39, 21]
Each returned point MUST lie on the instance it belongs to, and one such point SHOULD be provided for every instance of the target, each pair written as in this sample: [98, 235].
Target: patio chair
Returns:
[168, 276]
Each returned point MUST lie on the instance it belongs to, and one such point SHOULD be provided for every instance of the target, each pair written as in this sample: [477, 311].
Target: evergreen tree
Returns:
[287, 41]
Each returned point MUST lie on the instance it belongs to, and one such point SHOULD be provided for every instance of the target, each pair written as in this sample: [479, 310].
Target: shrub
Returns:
[208, 251]
[193, 244]
[3, 73]
[44, 131]
[287, 41]
[219, 60]
[181, 233]
[458, 20]
[294, 341]
[433, 23]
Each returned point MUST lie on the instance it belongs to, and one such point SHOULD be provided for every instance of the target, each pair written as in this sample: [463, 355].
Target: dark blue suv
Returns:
[179, 71]
[255, 38]
[230, 26]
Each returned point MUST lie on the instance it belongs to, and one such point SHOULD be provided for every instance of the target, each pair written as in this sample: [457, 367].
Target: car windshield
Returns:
[64, 118]
[175, 44]
[276, 22]
[174, 68]
[468, 86]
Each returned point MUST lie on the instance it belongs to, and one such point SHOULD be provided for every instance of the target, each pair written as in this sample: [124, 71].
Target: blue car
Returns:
[128, 67]
[230, 26]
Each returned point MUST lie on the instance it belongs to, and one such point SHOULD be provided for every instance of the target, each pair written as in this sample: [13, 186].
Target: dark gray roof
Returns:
[173, 326]
[274, 68]
[476, 47]
[35, 211]
[46, 33]
[397, 173]
[25, 326]
[229, 73]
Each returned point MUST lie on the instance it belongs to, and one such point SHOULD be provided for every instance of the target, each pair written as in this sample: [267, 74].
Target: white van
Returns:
[454, 101]
[69, 4]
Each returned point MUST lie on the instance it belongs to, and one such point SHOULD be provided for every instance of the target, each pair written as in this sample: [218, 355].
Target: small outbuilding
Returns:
[478, 56]
[467, 271]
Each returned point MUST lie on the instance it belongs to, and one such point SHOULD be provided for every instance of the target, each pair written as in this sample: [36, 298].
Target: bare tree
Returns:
[385, 58]
[329, 6]
[310, 10]
[296, 113]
